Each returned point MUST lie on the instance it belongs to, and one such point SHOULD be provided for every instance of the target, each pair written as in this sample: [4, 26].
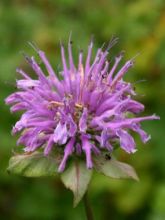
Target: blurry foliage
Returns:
[140, 25]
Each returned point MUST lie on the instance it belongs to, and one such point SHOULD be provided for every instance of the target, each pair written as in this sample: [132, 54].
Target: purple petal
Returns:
[22, 123]
[20, 71]
[87, 65]
[49, 146]
[13, 98]
[144, 136]
[83, 121]
[134, 107]
[27, 83]
[123, 70]
[19, 107]
[69, 148]
[103, 138]
[126, 141]
[78, 148]
[95, 149]
[60, 134]
[71, 63]
[117, 60]
[86, 146]
[72, 127]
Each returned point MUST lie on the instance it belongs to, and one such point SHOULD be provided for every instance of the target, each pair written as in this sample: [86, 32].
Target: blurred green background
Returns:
[140, 25]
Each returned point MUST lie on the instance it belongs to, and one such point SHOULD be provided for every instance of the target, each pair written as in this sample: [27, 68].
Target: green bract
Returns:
[76, 177]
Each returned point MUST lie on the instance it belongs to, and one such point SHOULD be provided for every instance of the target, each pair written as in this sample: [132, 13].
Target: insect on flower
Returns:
[82, 114]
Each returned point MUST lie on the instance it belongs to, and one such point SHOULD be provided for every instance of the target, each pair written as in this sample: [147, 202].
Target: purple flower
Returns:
[84, 113]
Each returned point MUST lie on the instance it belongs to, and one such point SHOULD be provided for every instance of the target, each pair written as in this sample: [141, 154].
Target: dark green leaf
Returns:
[77, 178]
[113, 168]
[33, 165]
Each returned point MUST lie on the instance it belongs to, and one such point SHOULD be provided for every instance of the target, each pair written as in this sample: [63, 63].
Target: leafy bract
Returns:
[112, 168]
[77, 178]
[33, 165]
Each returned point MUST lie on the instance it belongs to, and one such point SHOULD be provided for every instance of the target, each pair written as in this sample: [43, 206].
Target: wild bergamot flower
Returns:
[84, 113]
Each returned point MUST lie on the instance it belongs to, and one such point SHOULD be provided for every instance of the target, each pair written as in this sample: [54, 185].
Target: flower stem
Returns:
[87, 207]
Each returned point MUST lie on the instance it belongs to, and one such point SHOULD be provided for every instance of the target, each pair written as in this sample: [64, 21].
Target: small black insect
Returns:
[107, 156]
[104, 76]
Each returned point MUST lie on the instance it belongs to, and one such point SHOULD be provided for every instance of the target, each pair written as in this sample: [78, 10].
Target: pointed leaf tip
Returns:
[76, 178]
[114, 169]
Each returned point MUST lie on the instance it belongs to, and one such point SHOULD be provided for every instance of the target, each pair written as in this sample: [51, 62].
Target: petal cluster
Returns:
[84, 113]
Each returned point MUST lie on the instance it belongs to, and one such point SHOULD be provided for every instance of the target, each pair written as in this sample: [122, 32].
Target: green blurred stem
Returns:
[87, 206]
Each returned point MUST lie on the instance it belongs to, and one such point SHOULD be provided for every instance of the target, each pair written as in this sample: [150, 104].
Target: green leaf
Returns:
[77, 178]
[33, 165]
[113, 168]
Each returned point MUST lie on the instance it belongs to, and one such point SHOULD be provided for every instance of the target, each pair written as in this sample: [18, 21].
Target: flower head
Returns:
[84, 113]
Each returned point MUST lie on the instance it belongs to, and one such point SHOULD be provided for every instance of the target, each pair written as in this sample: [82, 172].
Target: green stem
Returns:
[88, 209]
